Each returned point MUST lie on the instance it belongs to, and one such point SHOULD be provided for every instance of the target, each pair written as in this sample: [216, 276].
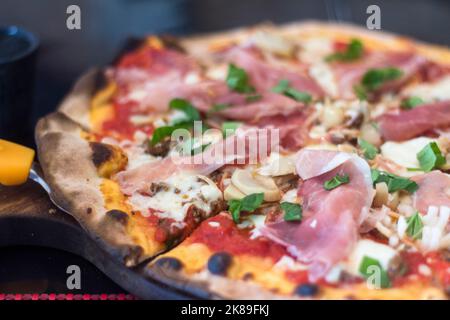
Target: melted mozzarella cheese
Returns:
[314, 50]
[183, 191]
[439, 90]
[405, 153]
[323, 75]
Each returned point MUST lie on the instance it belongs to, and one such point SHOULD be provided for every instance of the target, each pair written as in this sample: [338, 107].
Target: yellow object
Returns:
[15, 163]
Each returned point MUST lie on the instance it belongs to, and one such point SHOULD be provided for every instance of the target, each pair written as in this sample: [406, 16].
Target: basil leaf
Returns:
[430, 157]
[283, 88]
[237, 80]
[252, 201]
[191, 113]
[292, 211]
[411, 102]
[336, 181]
[415, 226]
[253, 97]
[162, 132]
[367, 269]
[234, 206]
[192, 147]
[353, 51]
[360, 92]
[248, 203]
[218, 107]
[374, 78]
[229, 127]
[394, 182]
[370, 151]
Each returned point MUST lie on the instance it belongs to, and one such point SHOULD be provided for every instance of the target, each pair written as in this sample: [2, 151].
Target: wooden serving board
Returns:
[27, 217]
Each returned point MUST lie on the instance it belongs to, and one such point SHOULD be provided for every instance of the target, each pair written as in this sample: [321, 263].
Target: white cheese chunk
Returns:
[290, 196]
[258, 221]
[405, 153]
[384, 254]
[439, 90]
[277, 165]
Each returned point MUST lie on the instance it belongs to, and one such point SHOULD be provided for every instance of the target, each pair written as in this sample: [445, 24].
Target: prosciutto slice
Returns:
[293, 129]
[246, 146]
[434, 190]
[404, 125]
[152, 63]
[264, 76]
[350, 74]
[332, 218]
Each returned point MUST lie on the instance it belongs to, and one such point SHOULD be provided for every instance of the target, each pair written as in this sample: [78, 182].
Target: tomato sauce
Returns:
[120, 126]
[228, 237]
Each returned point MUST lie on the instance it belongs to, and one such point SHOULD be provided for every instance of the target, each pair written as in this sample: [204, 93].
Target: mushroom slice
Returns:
[277, 165]
[381, 196]
[249, 183]
[231, 192]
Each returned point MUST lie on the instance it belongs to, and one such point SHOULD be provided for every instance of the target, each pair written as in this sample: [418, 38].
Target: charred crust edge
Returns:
[101, 153]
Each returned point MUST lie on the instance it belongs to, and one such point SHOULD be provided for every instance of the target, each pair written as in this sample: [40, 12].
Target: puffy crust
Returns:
[76, 104]
[77, 190]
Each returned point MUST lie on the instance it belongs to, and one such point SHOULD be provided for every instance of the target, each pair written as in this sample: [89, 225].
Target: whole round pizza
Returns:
[307, 161]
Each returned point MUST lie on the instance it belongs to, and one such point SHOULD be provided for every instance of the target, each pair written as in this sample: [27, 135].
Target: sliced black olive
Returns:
[169, 263]
[306, 290]
[219, 263]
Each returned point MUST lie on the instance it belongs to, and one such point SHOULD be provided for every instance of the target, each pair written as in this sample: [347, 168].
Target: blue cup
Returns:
[18, 49]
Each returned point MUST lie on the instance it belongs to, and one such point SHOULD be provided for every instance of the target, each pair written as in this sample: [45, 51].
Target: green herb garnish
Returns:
[191, 115]
[249, 203]
[292, 211]
[415, 226]
[283, 88]
[394, 182]
[185, 106]
[253, 97]
[367, 269]
[430, 157]
[162, 132]
[237, 80]
[374, 79]
[230, 127]
[411, 102]
[218, 107]
[369, 150]
[353, 51]
[336, 181]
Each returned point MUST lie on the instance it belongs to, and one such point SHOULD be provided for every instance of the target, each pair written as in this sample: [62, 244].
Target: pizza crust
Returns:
[67, 163]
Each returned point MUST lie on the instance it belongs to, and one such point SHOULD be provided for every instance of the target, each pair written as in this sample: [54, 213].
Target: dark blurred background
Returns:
[65, 54]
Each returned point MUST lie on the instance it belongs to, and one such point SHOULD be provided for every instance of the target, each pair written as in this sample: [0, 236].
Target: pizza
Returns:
[305, 161]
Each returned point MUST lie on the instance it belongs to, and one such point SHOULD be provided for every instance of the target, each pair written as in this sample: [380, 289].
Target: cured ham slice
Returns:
[270, 104]
[246, 146]
[264, 76]
[350, 74]
[434, 190]
[404, 125]
[151, 63]
[293, 129]
[331, 219]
